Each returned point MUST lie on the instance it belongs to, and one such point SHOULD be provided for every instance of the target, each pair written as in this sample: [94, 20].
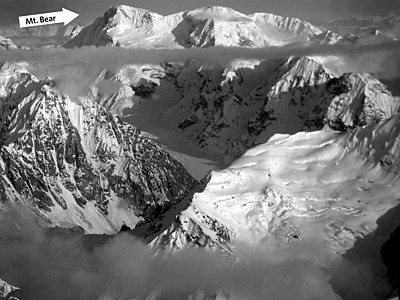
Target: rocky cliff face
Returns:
[131, 27]
[361, 100]
[289, 25]
[246, 103]
[378, 144]
[233, 108]
[76, 164]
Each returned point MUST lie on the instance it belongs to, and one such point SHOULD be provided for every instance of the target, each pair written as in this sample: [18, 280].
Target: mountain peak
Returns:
[82, 166]
[124, 7]
[7, 44]
[131, 27]
[286, 24]
[219, 13]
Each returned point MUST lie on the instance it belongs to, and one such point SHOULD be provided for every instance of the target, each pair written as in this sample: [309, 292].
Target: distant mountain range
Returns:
[131, 27]
[364, 25]
[55, 30]
[311, 156]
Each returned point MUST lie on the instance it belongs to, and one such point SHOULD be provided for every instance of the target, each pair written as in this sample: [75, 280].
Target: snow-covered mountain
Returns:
[328, 38]
[9, 292]
[49, 35]
[133, 84]
[249, 101]
[75, 164]
[52, 30]
[7, 44]
[326, 189]
[318, 151]
[230, 109]
[291, 177]
[131, 27]
[365, 25]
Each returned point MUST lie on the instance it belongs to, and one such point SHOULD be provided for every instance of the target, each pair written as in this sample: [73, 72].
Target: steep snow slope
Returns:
[324, 190]
[247, 102]
[289, 25]
[226, 110]
[366, 101]
[129, 27]
[203, 27]
[76, 164]
[140, 94]
[293, 178]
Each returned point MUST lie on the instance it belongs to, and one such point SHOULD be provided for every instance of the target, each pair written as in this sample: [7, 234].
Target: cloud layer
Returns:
[63, 265]
[115, 57]
[75, 69]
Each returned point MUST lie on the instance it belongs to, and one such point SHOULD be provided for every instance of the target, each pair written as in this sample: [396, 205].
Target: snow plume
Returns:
[61, 264]
[72, 77]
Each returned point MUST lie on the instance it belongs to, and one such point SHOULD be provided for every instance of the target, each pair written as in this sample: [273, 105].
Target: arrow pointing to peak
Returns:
[65, 16]
[68, 16]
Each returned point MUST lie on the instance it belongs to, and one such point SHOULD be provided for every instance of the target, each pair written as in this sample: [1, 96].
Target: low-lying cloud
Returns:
[75, 69]
[63, 265]
[116, 57]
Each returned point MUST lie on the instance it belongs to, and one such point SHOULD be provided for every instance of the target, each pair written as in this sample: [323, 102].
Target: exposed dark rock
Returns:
[82, 152]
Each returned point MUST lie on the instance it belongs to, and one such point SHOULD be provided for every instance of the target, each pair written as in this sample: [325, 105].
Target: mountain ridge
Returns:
[76, 163]
[203, 27]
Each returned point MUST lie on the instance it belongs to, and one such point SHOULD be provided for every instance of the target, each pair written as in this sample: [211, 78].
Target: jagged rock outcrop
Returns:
[131, 27]
[328, 38]
[7, 44]
[9, 292]
[246, 103]
[362, 100]
[286, 24]
[77, 164]
[379, 143]
[233, 108]
[276, 192]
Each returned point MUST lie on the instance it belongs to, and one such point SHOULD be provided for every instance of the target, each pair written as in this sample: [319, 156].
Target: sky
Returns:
[313, 10]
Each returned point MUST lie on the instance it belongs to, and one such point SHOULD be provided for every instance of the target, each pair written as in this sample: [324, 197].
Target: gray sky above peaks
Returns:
[318, 10]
